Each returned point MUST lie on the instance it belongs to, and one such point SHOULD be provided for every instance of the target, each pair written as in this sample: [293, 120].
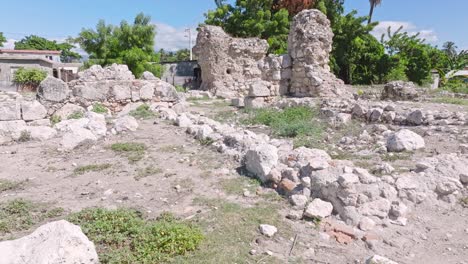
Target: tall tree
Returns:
[39, 43]
[130, 44]
[373, 4]
[2, 39]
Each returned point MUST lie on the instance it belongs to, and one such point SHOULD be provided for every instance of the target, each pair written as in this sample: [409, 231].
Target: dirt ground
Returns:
[179, 175]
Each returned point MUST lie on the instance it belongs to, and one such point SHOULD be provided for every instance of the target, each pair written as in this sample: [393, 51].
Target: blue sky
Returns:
[437, 21]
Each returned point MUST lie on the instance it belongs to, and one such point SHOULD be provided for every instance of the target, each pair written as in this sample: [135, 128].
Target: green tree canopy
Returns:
[131, 44]
[39, 43]
[2, 39]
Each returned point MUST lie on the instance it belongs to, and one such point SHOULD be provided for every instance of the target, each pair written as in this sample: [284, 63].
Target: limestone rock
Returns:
[268, 230]
[148, 76]
[10, 110]
[41, 133]
[53, 90]
[97, 124]
[12, 129]
[69, 109]
[376, 259]
[126, 123]
[33, 110]
[399, 91]
[54, 243]
[405, 140]
[77, 138]
[318, 209]
[121, 92]
[261, 159]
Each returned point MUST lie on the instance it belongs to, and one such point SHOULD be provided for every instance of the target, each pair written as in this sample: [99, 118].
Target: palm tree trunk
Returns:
[371, 13]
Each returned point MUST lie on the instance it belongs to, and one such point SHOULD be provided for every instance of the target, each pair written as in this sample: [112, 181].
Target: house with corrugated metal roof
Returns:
[47, 60]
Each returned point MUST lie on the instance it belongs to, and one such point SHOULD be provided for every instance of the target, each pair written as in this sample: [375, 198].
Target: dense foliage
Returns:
[2, 39]
[123, 236]
[29, 77]
[34, 42]
[357, 56]
[130, 44]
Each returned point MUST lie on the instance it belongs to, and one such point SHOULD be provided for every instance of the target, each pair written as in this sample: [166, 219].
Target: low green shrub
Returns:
[123, 236]
[142, 112]
[55, 119]
[93, 167]
[29, 77]
[99, 108]
[25, 136]
[133, 151]
[76, 115]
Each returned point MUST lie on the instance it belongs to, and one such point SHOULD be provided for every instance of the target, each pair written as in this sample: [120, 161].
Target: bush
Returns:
[456, 85]
[55, 119]
[29, 78]
[123, 236]
[99, 108]
[142, 112]
[290, 122]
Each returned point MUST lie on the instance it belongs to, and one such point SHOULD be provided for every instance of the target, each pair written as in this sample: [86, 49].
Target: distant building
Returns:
[463, 74]
[182, 73]
[47, 60]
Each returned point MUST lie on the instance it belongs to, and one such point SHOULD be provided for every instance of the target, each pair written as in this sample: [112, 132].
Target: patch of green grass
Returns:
[99, 108]
[142, 112]
[197, 99]
[92, 167]
[230, 230]
[76, 115]
[290, 122]
[55, 119]
[148, 171]
[19, 214]
[123, 236]
[239, 184]
[206, 141]
[391, 157]
[133, 151]
[451, 100]
[25, 136]
[128, 147]
[7, 185]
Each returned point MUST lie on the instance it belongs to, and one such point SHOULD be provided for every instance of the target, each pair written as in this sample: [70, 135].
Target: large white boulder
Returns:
[41, 133]
[260, 159]
[97, 123]
[72, 124]
[76, 138]
[33, 110]
[10, 110]
[12, 129]
[58, 242]
[318, 209]
[126, 123]
[53, 90]
[405, 140]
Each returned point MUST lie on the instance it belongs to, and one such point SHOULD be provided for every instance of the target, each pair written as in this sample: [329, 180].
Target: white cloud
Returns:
[409, 27]
[171, 38]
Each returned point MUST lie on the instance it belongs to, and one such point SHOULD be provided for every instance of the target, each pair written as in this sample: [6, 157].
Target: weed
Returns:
[290, 122]
[99, 108]
[142, 112]
[123, 236]
[133, 151]
[148, 171]
[197, 99]
[206, 141]
[451, 100]
[464, 201]
[391, 157]
[6, 185]
[19, 214]
[55, 119]
[25, 136]
[76, 115]
[88, 168]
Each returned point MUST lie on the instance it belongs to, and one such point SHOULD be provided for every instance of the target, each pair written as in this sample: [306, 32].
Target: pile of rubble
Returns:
[237, 67]
[319, 186]
[76, 121]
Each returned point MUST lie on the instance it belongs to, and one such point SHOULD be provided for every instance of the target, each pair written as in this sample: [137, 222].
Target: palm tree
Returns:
[373, 4]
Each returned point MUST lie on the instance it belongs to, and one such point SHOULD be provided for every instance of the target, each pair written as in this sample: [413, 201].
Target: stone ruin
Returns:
[28, 117]
[238, 67]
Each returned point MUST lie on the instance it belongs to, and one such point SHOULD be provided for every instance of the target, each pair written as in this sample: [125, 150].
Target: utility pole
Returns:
[189, 31]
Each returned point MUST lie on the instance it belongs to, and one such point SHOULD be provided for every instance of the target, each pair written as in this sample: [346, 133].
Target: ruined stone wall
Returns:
[237, 67]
